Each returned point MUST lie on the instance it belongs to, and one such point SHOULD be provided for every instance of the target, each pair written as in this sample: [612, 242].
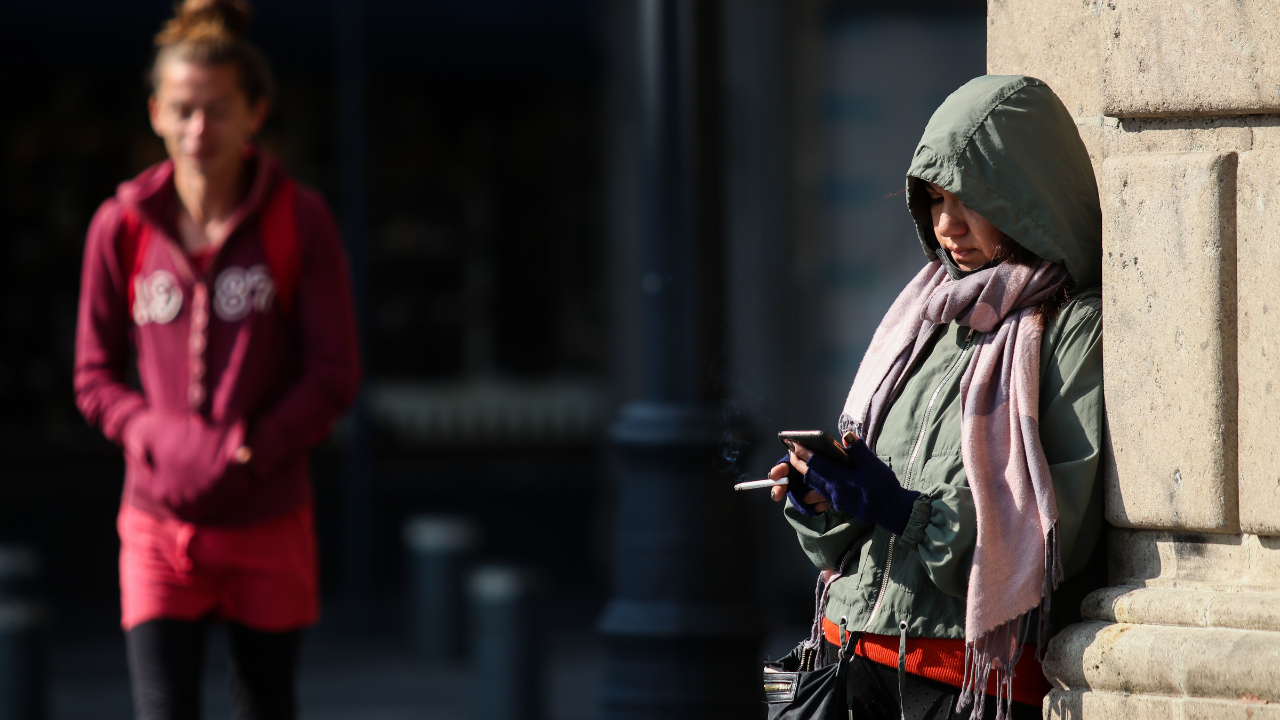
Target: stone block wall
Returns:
[1258, 318]
[1169, 266]
[1209, 57]
[1179, 105]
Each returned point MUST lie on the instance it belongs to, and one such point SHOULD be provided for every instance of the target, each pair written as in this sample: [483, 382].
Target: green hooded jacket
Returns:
[1008, 148]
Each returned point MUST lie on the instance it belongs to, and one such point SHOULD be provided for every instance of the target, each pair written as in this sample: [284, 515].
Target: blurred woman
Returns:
[226, 283]
[974, 423]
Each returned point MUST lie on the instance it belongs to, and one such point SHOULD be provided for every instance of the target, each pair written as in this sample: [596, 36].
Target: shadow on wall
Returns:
[1066, 706]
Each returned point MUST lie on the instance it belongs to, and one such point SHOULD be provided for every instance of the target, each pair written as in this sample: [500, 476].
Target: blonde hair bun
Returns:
[205, 21]
[211, 32]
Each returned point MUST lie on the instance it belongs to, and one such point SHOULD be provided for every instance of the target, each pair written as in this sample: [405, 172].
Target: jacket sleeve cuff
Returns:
[918, 521]
[943, 529]
[897, 509]
[825, 536]
[125, 415]
[133, 436]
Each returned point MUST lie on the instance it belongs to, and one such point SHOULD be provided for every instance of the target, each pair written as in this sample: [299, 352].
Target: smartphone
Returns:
[818, 442]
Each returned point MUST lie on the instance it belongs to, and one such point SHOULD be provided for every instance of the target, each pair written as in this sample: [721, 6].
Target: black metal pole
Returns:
[680, 632]
[353, 207]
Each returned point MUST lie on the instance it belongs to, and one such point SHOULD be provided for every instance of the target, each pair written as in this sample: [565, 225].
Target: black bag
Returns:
[794, 692]
[799, 687]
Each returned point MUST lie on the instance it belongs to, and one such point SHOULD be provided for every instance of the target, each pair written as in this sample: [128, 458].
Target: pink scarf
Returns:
[1015, 559]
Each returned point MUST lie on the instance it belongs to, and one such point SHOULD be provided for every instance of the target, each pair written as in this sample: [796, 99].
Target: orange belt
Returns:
[943, 660]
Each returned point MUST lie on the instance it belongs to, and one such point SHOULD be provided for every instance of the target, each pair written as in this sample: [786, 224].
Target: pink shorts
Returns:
[262, 576]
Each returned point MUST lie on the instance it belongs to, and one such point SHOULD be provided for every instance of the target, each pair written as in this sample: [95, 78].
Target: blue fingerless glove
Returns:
[867, 489]
[797, 488]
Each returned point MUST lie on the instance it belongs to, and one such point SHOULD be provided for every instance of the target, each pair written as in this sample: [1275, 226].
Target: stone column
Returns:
[1179, 104]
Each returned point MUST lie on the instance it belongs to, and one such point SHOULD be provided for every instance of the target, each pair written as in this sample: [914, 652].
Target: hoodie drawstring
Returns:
[902, 667]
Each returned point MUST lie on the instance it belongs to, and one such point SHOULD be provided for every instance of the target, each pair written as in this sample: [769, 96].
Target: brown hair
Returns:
[211, 32]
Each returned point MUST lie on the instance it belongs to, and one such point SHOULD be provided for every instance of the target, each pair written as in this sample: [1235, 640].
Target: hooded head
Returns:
[1006, 146]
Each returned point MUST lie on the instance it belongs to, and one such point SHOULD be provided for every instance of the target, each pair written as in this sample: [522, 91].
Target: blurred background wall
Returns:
[502, 240]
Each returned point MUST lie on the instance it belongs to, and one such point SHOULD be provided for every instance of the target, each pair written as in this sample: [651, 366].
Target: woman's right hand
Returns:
[196, 466]
[779, 471]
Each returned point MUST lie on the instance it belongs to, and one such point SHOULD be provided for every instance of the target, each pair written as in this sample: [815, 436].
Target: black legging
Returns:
[166, 660]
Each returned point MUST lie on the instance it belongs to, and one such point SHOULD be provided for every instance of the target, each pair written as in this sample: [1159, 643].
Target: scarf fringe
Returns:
[820, 606]
[998, 650]
[821, 594]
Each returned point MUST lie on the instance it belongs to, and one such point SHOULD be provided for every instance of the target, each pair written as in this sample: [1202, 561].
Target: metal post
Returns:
[680, 633]
[436, 552]
[22, 687]
[353, 203]
[505, 658]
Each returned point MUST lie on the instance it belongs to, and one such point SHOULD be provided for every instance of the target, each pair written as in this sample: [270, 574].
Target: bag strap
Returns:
[131, 249]
[821, 595]
[279, 231]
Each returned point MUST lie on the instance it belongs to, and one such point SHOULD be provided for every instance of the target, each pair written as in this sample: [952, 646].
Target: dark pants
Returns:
[874, 690]
[166, 662]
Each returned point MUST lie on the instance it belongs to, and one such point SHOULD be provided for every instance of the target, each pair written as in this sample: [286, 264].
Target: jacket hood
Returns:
[151, 192]
[1007, 147]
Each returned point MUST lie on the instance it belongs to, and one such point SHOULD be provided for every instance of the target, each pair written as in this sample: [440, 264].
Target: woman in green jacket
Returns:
[975, 423]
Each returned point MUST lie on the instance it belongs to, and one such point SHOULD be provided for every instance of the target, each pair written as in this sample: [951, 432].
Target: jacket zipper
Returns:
[924, 426]
[928, 411]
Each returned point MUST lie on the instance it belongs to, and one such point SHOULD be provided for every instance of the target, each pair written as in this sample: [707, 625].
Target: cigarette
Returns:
[755, 484]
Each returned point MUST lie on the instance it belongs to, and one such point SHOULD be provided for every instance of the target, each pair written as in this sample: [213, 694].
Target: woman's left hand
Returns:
[866, 488]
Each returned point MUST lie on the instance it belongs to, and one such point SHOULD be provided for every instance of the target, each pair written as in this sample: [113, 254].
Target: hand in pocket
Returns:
[191, 458]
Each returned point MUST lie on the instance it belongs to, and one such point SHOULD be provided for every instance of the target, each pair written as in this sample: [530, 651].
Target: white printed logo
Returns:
[157, 298]
[237, 291]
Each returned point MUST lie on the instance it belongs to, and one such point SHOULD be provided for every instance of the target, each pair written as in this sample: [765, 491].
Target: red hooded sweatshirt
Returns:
[221, 360]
